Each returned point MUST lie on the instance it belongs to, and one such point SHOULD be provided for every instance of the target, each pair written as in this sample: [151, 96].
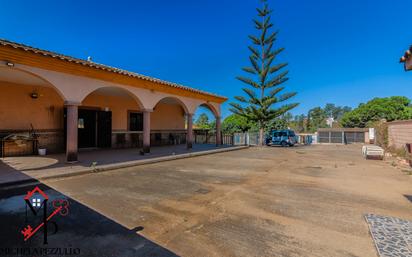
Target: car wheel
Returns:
[283, 143]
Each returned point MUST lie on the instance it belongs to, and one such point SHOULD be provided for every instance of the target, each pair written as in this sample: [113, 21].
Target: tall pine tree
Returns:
[266, 91]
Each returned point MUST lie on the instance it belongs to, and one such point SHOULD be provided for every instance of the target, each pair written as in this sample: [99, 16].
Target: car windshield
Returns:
[291, 133]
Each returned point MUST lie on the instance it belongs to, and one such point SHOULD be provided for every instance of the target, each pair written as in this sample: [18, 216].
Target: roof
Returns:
[35, 190]
[103, 67]
[406, 55]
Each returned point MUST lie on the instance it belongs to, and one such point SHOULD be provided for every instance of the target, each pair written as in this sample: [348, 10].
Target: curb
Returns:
[108, 167]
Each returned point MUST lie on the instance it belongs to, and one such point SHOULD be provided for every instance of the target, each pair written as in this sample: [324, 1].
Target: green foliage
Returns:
[298, 124]
[316, 119]
[336, 112]
[202, 122]
[277, 124]
[389, 108]
[282, 122]
[381, 133]
[235, 123]
[264, 91]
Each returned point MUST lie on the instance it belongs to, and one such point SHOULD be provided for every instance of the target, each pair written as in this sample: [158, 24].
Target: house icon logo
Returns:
[36, 200]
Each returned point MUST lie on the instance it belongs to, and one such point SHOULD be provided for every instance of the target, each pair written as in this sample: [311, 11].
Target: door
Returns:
[86, 128]
[276, 138]
[104, 129]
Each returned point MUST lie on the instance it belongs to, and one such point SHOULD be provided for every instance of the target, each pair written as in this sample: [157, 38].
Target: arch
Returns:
[46, 82]
[210, 107]
[114, 89]
[179, 101]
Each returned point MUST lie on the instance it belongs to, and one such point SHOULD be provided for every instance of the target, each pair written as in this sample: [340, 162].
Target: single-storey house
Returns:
[70, 103]
[406, 59]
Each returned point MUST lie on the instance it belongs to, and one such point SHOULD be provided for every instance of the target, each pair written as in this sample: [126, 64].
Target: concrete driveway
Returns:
[272, 201]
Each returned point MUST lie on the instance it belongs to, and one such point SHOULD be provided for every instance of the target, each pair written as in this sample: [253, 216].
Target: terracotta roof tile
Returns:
[101, 66]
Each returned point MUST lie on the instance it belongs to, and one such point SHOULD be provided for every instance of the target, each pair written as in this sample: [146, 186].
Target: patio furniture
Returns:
[373, 152]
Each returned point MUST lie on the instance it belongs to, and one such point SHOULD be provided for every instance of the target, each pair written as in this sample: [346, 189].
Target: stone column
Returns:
[218, 132]
[71, 131]
[189, 136]
[146, 130]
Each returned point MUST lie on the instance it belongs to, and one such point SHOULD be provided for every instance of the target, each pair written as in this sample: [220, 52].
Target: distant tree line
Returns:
[365, 115]
[317, 118]
[387, 108]
[203, 122]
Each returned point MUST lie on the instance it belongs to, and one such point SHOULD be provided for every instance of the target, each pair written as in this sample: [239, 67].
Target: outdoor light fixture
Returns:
[80, 123]
[34, 95]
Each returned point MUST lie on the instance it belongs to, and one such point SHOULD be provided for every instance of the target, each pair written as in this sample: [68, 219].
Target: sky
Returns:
[342, 51]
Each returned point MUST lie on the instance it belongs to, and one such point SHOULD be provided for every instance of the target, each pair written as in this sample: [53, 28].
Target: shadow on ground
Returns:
[99, 156]
[83, 230]
[408, 197]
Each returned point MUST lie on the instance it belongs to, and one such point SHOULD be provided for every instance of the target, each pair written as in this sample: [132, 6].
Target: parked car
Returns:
[285, 137]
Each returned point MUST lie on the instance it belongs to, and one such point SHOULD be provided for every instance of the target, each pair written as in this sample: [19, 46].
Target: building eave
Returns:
[27, 55]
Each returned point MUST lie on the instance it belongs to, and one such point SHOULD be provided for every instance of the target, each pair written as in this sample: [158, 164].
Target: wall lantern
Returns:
[10, 64]
[106, 109]
[80, 123]
[34, 95]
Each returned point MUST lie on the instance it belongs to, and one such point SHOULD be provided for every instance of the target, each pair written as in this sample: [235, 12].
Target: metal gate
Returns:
[341, 137]
[248, 138]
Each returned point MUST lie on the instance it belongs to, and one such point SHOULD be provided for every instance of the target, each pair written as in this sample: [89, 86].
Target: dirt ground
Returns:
[272, 201]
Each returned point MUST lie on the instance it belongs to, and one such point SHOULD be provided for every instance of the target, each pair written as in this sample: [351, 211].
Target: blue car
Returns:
[284, 137]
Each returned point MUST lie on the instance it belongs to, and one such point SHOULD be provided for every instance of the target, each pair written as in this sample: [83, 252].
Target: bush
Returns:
[388, 108]
[381, 133]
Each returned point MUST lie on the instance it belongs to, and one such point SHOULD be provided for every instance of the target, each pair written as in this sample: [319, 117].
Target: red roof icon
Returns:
[35, 190]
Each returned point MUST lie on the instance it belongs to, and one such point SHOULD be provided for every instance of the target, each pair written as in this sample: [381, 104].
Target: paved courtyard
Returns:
[15, 169]
[272, 201]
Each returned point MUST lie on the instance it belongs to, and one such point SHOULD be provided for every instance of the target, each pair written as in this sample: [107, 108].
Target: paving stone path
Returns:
[392, 236]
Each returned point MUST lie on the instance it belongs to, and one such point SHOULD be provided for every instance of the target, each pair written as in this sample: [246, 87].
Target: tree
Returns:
[257, 106]
[317, 119]
[389, 108]
[288, 117]
[336, 112]
[235, 123]
[277, 124]
[298, 123]
[202, 122]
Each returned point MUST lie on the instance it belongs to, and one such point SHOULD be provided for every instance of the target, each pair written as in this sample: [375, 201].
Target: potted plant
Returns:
[42, 150]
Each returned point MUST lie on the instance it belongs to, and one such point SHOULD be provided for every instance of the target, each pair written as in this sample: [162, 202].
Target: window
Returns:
[80, 123]
[36, 202]
[135, 121]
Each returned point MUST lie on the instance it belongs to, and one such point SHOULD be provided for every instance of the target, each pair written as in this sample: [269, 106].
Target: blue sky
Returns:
[344, 51]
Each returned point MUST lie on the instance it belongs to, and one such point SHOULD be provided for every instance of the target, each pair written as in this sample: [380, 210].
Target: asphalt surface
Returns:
[272, 201]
